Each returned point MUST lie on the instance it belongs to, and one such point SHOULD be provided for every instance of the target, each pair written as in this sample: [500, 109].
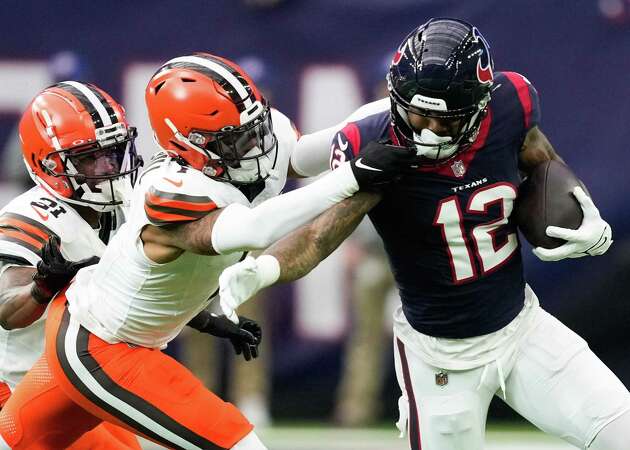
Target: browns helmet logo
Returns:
[484, 64]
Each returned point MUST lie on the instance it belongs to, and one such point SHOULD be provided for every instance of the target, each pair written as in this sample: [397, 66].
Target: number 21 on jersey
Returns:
[480, 242]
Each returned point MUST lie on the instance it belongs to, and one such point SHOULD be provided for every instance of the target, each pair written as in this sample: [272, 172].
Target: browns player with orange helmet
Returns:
[224, 118]
[84, 154]
[209, 195]
[78, 148]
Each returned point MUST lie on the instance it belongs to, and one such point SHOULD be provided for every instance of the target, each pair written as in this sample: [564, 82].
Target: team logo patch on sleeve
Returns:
[166, 207]
[24, 231]
[344, 145]
[484, 63]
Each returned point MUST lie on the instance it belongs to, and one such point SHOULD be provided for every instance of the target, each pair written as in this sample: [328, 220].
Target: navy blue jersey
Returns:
[447, 231]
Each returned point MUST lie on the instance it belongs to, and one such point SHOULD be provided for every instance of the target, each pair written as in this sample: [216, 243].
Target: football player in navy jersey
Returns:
[469, 327]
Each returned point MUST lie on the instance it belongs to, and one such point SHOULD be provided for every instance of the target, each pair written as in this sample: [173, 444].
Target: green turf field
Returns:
[321, 437]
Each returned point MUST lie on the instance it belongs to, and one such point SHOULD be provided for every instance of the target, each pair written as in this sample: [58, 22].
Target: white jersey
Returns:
[25, 225]
[129, 298]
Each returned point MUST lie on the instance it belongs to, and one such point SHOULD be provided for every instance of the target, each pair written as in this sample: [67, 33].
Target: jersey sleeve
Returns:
[164, 207]
[317, 152]
[345, 145]
[528, 99]
[21, 239]
[172, 197]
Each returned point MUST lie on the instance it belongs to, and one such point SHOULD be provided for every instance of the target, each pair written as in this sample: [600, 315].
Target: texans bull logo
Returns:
[399, 53]
[484, 63]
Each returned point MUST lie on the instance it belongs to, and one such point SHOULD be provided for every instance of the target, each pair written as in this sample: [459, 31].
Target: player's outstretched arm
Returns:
[301, 251]
[594, 236]
[295, 255]
[239, 228]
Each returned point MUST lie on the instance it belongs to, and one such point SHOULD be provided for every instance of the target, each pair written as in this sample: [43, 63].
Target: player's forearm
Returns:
[301, 251]
[18, 308]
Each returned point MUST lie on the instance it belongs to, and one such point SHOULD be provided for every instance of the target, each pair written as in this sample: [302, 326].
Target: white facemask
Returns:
[249, 172]
[436, 147]
[119, 190]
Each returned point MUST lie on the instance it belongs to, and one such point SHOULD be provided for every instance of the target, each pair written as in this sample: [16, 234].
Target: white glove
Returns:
[592, 238]
[241, 281]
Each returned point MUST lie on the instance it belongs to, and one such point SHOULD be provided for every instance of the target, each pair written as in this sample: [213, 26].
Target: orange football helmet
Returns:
[207, 111]
[77, 145]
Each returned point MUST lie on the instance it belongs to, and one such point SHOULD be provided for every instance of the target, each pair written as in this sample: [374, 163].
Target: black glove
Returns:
[245, 337]
[380, 163]
[54, 272]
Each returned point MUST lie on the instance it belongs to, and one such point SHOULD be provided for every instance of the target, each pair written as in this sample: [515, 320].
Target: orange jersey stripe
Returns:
[161, 217]
[20, 235]
[21, 225]
[179, 204]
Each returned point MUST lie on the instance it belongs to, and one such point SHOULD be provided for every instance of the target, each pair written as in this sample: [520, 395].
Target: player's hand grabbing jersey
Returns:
[26, 223]
[130, 298]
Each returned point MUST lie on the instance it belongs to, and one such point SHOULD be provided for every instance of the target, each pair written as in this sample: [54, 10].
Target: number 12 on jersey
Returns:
[480, 242]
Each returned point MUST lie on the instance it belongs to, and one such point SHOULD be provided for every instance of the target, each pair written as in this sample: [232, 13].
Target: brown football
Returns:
[545, 198]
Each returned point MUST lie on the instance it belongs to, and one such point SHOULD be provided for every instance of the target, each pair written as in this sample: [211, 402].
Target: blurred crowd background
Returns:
[327, 352]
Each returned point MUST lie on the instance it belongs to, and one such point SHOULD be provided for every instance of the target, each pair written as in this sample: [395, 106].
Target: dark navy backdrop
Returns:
[578, 60]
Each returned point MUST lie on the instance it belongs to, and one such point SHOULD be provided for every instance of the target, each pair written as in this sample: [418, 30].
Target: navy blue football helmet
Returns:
[442, 69]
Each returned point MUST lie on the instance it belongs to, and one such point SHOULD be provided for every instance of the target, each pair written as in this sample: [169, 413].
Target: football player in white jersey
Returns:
[79, 150]
[204, 200]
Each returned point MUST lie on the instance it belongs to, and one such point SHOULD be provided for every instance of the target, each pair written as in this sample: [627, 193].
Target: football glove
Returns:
[380, 163]
[54, 272]
[593, 237]
[241, 281]
[245, 336]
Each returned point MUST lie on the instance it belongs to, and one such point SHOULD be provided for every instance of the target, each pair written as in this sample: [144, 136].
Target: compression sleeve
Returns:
[239, 228]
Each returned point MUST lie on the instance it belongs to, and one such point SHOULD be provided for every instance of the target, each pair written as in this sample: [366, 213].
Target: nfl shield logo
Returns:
[441, 378]
[458, 168]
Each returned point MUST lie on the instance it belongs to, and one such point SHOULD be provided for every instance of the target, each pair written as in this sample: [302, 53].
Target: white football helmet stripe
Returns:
[94, 100]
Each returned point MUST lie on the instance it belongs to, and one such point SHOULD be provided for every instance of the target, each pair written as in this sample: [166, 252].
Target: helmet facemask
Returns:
[101, 174]
[241, 155]
[434, 148]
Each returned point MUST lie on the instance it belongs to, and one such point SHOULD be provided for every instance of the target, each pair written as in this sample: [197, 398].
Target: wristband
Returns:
[268, 270]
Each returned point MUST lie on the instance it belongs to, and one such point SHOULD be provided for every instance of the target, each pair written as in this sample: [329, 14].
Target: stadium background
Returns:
[320, 59]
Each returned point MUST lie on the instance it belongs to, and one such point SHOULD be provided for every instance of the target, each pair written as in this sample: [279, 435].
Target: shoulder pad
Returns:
[27, 222]
[517, 93]
[176, 193]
